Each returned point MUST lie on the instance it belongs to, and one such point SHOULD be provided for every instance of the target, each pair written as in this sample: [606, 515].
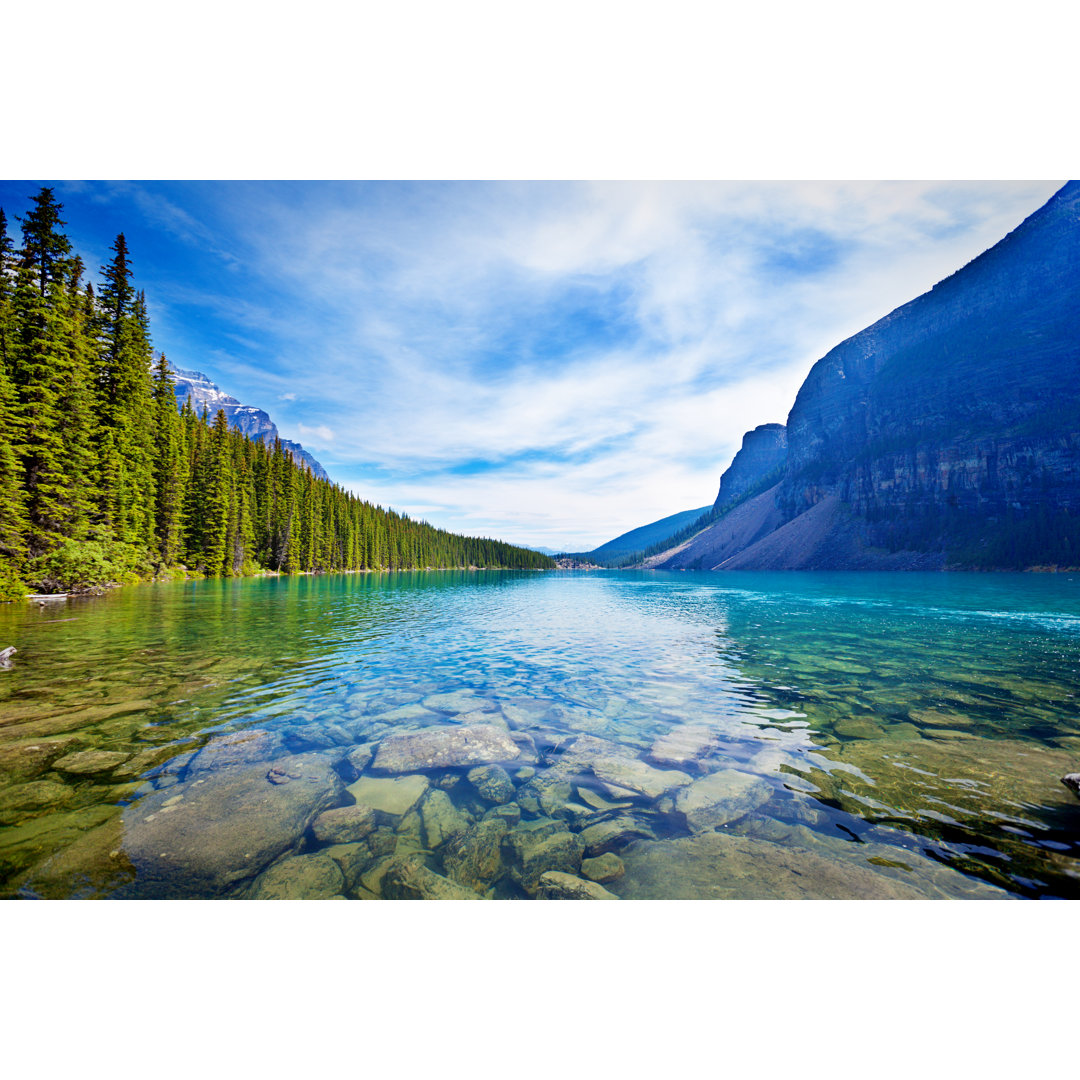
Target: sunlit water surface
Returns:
[841, 735]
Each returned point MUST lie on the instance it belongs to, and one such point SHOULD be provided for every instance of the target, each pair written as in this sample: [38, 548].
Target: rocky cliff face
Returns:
[951, 427]
[252, 422]
[763, 451]
[967, 398]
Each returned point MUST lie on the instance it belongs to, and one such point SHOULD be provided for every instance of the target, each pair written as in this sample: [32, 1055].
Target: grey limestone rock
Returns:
[683, 747]
[203, 836]
[444, 747]
[720, 797]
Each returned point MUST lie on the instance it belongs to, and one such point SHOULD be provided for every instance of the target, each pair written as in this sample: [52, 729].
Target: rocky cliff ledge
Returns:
[763, 450]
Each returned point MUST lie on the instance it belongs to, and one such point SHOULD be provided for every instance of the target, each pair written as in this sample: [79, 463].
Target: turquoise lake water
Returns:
[654, 735]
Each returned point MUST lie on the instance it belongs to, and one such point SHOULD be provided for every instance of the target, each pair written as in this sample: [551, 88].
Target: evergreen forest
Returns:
[102, 479]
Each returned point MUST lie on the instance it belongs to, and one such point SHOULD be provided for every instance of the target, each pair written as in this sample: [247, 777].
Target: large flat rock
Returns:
[684, 746]
[719, 866]
[203, 836]
[721, 797]
[393, 796]
[444, 747]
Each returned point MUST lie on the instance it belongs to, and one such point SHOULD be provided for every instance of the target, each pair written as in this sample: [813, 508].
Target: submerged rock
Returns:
[474, 858]
[721, 797]
[352, 859]
[203, 836]
[634, 775]
[684, 746]
[616, 767]
[508, 812]
[243, 748]
[24, 761]
[606, 867]
[90, 762]
[720, 866]
[598, 802]
[301, 877]
[441, 819]
[492, 783]
[444, 747]
[344, 824]
[393, 797]
[360, 757]
[542, 847]
[558, 886]
[616, 832]
[547, 794]
[411, 879]
[93, 865]
[31, 798]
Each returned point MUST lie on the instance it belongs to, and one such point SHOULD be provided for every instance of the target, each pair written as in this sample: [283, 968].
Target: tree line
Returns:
[102, 478]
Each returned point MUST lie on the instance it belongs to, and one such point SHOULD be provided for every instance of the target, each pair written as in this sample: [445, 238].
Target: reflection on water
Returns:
[518, 735]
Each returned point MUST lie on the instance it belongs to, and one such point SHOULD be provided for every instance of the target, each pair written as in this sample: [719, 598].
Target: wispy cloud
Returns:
[317, 435]
[550, 363]
[600, 348]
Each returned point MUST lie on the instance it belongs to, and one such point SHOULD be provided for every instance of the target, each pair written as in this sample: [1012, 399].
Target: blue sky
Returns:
[550, 363]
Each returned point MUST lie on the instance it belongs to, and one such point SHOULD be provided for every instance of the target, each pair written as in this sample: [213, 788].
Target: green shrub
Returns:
[11, 588]
[88, 566]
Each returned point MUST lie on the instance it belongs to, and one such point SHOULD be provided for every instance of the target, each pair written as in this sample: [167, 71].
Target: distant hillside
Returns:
[248, 420]
[644, 536]
[945, 434]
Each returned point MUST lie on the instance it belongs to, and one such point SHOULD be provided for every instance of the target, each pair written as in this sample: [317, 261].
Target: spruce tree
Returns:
[125, 394]
[46, 372]
[170, 467]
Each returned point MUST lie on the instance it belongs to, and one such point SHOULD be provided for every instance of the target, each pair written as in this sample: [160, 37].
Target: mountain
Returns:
[945, 434]
[252, 422]
[764, 450]
[644, 536]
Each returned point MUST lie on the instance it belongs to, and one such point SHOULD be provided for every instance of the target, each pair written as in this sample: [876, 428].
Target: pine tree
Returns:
[170, 467]
[125, 390]
[47, 376]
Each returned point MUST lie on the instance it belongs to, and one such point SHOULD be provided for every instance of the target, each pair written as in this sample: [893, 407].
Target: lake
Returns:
[514, 735]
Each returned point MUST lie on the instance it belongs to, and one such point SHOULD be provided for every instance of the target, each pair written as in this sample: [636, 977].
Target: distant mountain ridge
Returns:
[945, 434]
[250, 421]
[645, 536]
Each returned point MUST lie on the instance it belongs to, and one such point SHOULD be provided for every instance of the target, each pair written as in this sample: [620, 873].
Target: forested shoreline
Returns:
[103, 480]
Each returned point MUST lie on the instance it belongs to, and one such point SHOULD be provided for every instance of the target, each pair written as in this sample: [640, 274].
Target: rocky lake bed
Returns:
[669, 777]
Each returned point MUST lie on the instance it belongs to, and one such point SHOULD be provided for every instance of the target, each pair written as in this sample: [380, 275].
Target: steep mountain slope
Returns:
[763, 451]
[950, 429]
[645, 535]
[252, 422]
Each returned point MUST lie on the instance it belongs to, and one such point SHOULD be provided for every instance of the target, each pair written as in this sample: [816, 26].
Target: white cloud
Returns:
[317, 435]
[432, 327]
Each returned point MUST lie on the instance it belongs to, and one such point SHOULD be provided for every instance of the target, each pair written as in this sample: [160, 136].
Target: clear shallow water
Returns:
[850, 735]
